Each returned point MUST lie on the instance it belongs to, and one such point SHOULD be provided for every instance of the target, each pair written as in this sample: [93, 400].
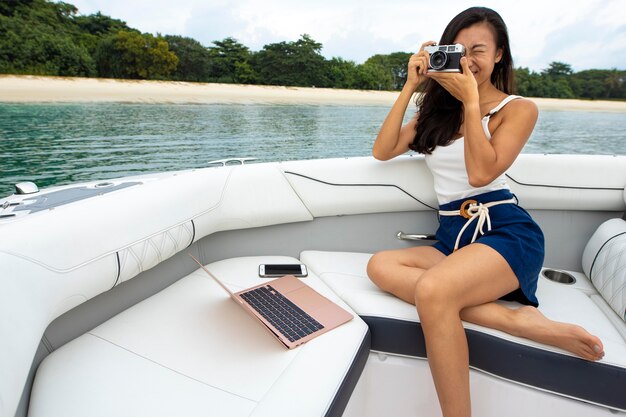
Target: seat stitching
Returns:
[598, 253]
[170, 369]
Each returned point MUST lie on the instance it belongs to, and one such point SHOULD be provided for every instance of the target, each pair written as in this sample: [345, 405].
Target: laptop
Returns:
[290, 310]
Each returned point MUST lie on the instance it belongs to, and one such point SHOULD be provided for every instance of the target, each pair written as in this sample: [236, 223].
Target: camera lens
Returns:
[438, 60]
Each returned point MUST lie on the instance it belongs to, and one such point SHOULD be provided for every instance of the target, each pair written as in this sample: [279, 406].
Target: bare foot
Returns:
[535, 326]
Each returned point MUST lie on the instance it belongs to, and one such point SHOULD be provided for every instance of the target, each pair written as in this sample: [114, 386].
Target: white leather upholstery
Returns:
[327, 187]
[253, 196]
[54, 260]
[604, 261]
[105, 224]
[346, 274]
[603, 233]
[31, 297]
[153, 250]
[539, 181]
[190, 350]
[111, 222]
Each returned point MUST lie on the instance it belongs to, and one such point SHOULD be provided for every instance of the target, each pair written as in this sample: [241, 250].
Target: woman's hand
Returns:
[462, 86]
[418, 66]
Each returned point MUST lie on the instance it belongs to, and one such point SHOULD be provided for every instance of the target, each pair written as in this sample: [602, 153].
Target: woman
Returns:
[471, 130]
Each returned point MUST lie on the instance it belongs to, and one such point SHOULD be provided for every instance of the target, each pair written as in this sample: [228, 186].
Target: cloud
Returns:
[350, 29]
[211, 22]
[157, 16]
[586, 45]
[361, 45]
[589, 34]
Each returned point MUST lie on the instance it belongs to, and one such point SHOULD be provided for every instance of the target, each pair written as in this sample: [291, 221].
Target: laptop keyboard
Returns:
[285, 316]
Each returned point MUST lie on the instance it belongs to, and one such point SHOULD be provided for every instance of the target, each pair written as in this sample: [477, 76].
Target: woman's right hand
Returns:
[418, 66]
[393, 139]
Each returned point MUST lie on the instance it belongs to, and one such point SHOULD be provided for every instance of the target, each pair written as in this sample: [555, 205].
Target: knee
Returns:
[377, 267]
[433, 297]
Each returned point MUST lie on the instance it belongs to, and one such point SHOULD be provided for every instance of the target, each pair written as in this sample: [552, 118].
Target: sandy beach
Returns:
[37, 89]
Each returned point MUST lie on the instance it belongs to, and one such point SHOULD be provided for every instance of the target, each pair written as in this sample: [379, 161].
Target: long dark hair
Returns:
[440, 114]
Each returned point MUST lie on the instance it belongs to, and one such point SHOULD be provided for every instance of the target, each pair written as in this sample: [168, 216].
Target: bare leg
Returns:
[397, 271]
[472, 276]
[530, 323]
[464, 282]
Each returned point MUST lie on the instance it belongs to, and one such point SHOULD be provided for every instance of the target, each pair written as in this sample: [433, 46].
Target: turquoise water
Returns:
[53, 144]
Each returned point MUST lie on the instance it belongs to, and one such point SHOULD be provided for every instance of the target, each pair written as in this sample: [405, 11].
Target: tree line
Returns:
[39, 37]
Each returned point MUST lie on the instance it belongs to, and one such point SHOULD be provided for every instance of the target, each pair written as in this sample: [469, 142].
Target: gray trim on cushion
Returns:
[339, 403]
[594, 382]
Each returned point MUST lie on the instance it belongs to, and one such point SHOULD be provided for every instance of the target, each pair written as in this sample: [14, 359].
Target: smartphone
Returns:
[279, 270]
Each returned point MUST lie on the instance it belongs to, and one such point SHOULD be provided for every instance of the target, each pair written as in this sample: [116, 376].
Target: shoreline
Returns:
[45, 89]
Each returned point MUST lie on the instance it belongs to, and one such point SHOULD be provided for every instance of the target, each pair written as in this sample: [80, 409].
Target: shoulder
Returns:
[519, 115]
[521, 108]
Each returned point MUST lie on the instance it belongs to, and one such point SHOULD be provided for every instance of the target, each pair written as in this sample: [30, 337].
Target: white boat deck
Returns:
[98, 258]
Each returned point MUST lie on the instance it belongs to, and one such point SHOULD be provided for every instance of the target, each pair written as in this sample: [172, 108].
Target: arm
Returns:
[393, 139]
[485, 159]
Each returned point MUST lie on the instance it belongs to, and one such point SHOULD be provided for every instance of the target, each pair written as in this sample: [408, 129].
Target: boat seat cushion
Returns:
[395, 328]
[604, 262]
[191, 351]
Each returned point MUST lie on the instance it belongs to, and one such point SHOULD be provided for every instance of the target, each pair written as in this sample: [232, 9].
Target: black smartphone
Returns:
[279, 270]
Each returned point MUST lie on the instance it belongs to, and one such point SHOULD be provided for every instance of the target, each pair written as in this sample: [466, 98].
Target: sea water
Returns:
[53, 144]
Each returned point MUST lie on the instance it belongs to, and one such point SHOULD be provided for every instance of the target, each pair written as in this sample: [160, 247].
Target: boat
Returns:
[104, 313]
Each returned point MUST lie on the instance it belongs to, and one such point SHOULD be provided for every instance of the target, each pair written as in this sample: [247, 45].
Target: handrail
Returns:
[226, 161]
[404, 236]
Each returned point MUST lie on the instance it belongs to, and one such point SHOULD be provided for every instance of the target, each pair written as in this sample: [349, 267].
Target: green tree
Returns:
[529, 83]
[614, 82]
[96, 26]
[99, 24]
[297, 63]
[555, 80]
[229, 62]
[66, 11]
[244, 73]
[40, 37]
[375, 76]
[589, 84]
[599, 84]
[558, 69]
[343, 74]
[193, 59]
[557, 88]
[395, 64]
[9, 7]
[136, 56]
[44, 37]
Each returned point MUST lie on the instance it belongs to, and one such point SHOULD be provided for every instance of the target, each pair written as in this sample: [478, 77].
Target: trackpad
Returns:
[307, 299]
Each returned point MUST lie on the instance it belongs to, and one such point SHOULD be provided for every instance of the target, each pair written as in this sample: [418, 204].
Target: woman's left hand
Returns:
[462, 86]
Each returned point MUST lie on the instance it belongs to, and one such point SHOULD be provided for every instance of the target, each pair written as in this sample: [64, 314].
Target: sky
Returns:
[583, 33]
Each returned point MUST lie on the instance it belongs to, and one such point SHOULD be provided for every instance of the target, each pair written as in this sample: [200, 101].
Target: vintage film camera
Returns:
[445, 58]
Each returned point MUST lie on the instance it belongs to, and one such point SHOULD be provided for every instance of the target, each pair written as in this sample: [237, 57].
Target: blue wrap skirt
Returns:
[514, 235]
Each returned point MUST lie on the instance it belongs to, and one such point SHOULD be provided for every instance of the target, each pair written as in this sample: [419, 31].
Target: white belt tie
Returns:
[472, 210]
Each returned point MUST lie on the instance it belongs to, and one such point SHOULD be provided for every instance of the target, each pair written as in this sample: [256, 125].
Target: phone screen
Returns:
[283, 269]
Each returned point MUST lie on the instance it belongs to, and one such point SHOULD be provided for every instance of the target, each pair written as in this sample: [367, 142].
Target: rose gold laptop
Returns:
[293, 312]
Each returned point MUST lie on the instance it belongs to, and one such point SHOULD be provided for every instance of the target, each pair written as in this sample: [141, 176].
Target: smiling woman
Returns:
[471, 129]
[488, 56]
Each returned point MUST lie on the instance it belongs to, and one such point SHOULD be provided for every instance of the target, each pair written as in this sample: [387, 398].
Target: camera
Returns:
[445, 58]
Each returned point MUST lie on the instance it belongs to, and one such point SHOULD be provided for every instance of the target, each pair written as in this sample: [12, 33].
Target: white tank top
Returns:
[447, 164]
